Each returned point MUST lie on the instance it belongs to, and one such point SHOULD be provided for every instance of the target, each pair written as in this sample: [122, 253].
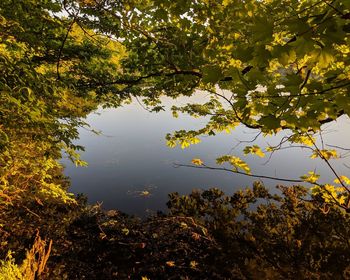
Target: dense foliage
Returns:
[209, 235]
[268, 65]
[39, 116]
[285, 237]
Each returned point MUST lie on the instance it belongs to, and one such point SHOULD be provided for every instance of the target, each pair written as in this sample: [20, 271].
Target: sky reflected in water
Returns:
[131, 168]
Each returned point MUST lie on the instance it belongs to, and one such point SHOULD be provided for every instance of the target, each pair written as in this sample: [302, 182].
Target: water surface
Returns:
[132, 169]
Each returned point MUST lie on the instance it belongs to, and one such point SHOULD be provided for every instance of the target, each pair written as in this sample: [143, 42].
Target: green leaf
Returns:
[212, 74]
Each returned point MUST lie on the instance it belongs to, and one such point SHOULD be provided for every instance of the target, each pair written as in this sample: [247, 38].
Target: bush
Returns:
[287, 236]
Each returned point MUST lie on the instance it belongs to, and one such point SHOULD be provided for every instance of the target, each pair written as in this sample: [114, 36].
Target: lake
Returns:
[132, 169]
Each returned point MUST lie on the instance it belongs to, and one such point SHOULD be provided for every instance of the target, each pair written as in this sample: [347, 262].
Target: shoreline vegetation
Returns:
[268, 65]
[206, 235]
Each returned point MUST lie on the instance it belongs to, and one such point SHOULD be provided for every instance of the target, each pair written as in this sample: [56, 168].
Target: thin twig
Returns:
[334, 8]
[333, 170]
[142, 106]
[234, 110]
[327, 162]
[31, 212]
[246, 141]
[338, 147]
[61, 48]
[239, 172]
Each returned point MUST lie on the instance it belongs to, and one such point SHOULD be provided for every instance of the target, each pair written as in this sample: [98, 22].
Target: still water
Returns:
[132, 169]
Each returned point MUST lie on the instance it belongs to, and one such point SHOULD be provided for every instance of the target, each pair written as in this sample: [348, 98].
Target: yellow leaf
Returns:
[171, 143]
[145, 193]
[170, 263]
[344, 179]
[193, 264]
[196, 236]
[225, 3]
[125, 231]
[312, 177]
[195, 140]
[197, 161]
[259, 153]
[183, 225]
[184, 144]
[255, 149]
[314, 155]
[298, 243]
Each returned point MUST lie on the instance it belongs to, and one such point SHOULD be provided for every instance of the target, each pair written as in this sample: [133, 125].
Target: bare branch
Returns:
[338, 147]
[239, 172]
[246, 141]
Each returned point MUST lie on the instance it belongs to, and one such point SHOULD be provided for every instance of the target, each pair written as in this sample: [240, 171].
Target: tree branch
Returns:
[331, 167]
[62, 46]
[141, 78]
[239, 172]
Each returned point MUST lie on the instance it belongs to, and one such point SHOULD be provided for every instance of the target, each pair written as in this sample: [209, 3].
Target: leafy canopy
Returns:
[268, 65]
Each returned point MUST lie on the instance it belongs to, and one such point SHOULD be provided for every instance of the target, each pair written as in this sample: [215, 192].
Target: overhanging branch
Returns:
[239, 172]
